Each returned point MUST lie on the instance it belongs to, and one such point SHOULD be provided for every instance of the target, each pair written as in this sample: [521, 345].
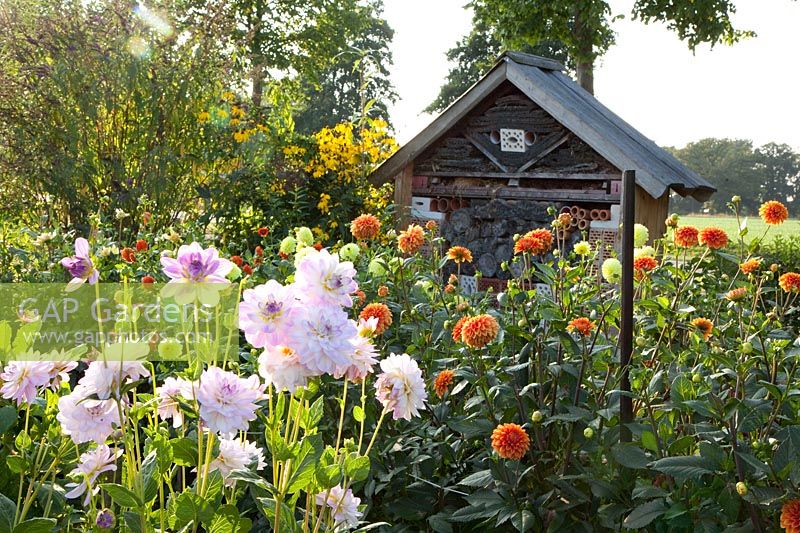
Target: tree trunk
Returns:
[585, 73]
[258, 84]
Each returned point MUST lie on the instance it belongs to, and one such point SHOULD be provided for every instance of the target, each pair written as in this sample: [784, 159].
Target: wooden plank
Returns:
[403, 194]
[652, 212]
[586, 123]
[547, 147]
[526, 175]
[512, 193]
[476, 142]
[534, 61]
[441, 124]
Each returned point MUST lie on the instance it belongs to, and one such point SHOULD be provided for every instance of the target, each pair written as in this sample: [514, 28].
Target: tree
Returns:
[474, 55]
[584, 28]
[735, 167]
[357, 82]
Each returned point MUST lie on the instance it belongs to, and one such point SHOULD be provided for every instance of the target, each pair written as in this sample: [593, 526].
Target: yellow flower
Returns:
[323, 204]
[237, 112]
[228, 96]
[204, 116]
[234, 122]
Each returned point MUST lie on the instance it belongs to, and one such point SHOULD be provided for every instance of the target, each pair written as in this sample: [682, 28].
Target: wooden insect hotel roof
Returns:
[564, 102]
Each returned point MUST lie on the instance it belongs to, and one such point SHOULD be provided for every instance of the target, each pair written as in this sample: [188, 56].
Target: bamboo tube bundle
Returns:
[583, 224]
[582, 213]
[563, 234]
[573, 210]
[594, 214]
[565, 209]
[605, 214]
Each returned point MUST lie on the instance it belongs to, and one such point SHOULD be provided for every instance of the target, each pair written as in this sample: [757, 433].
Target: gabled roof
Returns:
[543, 81]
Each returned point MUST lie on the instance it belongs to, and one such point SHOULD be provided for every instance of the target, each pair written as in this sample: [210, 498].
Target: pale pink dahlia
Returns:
[22, 379]
[104, 378]
[281, 367]
[227, 402]
[321, 337]
[343, 505]
[322, 279]
[80, 266]
[85, 419]
[168, 394]
[362, 359]
[196, 273]
[265, 313]
[236, 454]
[60, 372]
[400, 388]
[92, 464]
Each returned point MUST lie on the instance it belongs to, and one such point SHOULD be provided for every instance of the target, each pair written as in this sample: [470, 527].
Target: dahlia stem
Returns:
[341, 420]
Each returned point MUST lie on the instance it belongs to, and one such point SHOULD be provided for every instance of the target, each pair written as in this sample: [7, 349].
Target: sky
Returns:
[649, 78]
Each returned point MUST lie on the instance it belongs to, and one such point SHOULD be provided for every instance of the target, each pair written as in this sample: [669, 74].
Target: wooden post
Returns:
[402, 195]
[626, 311]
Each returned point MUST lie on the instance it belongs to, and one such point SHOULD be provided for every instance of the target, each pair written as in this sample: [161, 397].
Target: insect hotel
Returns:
[522, 139]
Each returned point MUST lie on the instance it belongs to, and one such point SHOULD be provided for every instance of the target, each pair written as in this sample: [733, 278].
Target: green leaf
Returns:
[36, 525]
[644, 514]
[5, 340]
[439, 523]
[523, 521]
[357, 468]
[251, 478]
[134, 521]
[478, 479]
[122, 496]
[16, 463]
[23, 441]
[307, 457]
[630, 456]
[184, 452]
[227, 520]
[358, 414]
[188, 508]
[149, 476]
[649, 441]
[314, 414]
[787, 452]
[8, 510]
[8, 418]
[684, 467]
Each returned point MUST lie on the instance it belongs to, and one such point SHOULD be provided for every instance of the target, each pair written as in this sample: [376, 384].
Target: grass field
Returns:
[754, 224]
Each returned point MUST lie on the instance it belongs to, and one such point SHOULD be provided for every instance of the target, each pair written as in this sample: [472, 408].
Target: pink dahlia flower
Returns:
[265, 313]
[85, 419]
[322, 279]
[227, 402]
[321, 337]
[196, 274]
[104, 378]
[343, 505]
[92, 464]
[168, 394]
[237, 454]
[22, 380]
[400, 388]
[362, 359]
[80, 266]
[281, 367]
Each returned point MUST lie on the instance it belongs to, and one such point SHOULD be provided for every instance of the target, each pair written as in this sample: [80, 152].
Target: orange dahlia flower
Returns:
[141, 245]
[645, 263]
[237, 260]
[259, 251]
[459, 254]
[148, 279]
[581, 325]
[713, 237]
[457, 328]
[705, 326]
[790, 516]
[528, 245]
[383, 290]
[263, 232]
[379, 311]
[736, 295]
[128, 255]
[431, 226]
[362, 297]
[410, 240]
[365, 227]
[442, 382]
[773, 213]
[479, 331]
[247, 269]
[449, 288]
[686, 236]
[750, 266]
[510, 441]
[790, 282]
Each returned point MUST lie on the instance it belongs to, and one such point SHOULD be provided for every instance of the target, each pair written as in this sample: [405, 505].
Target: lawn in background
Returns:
[755, 225]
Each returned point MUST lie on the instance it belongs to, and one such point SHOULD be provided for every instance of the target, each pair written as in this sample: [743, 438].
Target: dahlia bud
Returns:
[736, 199]
[741, 488]
[774, 267]
[672, 220]
[536, 417]
[588, 433]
